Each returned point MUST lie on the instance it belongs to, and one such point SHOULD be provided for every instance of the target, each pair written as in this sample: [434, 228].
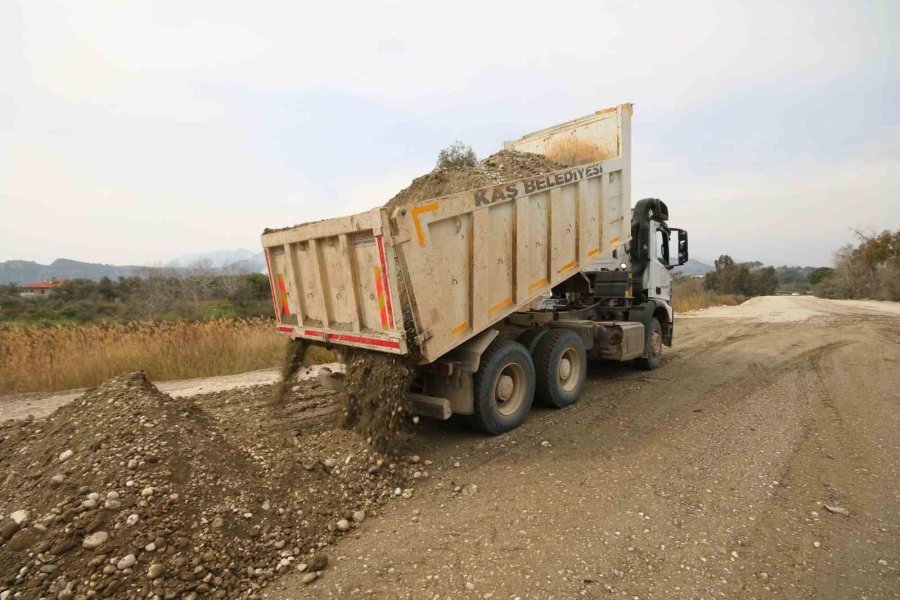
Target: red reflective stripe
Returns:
[387, 283]
[271, 286]
[353, 339]
[286, 329]
[364, 340]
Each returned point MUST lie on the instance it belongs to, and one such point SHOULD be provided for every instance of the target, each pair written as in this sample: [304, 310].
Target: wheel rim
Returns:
[509, 389]
[656, 344]
[569, 370]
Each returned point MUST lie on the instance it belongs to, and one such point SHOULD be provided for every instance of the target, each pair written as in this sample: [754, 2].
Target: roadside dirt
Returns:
[760, 461]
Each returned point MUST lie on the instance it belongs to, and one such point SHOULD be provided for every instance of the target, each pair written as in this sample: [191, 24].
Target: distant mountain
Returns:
[216, 258]
[255, 264]
[26, 271]
[694, 267]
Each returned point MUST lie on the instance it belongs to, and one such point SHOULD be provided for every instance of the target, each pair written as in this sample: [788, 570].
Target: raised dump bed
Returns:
[424, 278]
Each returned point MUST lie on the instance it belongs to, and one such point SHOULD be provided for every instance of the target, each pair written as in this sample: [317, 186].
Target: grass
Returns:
[689, 294]
[63, 357]
[317, 355]
[55, 358]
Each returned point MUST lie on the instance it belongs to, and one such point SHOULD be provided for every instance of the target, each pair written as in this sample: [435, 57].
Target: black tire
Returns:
[530, 338]
[560, 364]
[654, 348]
[505, 363]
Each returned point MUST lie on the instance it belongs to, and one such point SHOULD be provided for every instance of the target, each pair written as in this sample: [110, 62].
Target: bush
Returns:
[456, 155]
[831, 287]
[820, 274]
[157, 294]
[744, 279]
[889, 282]
[689, 293]
[869, 270]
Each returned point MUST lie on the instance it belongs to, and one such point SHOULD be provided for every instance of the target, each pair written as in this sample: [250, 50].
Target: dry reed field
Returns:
[43, 359]
[689, 294]
[47, 359]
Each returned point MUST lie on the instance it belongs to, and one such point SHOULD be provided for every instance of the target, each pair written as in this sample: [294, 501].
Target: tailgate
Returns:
[334, 281]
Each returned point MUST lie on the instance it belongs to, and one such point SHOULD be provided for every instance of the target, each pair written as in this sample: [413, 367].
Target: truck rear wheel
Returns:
[503, 387]
[560, 363]
[654, 350]
[530, 338]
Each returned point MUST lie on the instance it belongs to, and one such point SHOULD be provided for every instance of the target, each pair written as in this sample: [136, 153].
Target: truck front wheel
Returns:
[560, 363]
[654, 351]
[503, 387]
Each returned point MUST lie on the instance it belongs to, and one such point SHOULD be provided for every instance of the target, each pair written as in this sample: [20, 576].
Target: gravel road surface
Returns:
[760, 461]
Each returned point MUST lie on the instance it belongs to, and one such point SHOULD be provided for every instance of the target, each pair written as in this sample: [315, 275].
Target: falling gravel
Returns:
[374, 398]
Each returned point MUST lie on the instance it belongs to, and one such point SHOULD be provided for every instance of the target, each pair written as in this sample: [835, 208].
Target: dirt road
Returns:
[760, 461]
[708, 478]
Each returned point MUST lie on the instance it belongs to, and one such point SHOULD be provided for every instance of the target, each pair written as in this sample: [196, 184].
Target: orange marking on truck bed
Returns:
[418, 211]
[566, 267]
[500, 305]
[379, 289]
[459, 328]
[593, 252]
[538, 283]
[613, 242]
[285, 309]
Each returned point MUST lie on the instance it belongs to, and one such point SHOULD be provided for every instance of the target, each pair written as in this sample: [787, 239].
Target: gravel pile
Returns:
[506, 165]
[128, 493]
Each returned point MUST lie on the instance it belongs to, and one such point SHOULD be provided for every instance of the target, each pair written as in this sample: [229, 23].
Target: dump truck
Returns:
[498, 296]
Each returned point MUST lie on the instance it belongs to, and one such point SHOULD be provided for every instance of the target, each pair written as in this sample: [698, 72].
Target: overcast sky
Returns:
[132, 132]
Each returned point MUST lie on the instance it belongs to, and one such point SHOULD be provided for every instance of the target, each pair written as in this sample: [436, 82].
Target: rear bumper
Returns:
[379, 343]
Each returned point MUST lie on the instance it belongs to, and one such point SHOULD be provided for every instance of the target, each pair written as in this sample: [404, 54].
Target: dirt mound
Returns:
[506, 165]
[127, 492]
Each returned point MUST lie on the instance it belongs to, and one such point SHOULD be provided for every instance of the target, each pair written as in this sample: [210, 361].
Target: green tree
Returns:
[767, 281]
[107, 289]
[456, 155]
[820, 274]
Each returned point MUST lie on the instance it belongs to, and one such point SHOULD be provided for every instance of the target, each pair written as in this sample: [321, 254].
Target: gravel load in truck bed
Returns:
[506, 165]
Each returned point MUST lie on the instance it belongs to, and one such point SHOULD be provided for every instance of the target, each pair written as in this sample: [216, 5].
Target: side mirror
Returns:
[678, 251]
[682, 246]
